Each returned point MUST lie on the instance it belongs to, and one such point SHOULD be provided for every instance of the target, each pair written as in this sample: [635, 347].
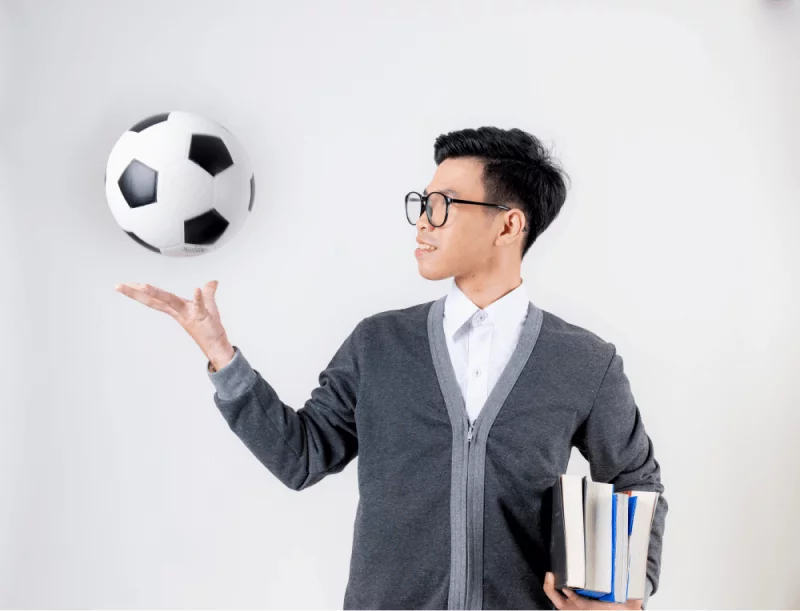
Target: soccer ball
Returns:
[179, 184]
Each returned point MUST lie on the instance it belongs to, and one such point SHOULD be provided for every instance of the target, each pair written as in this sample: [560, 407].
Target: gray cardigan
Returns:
[451, 515]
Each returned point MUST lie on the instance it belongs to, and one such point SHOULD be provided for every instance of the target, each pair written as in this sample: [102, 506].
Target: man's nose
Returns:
[423, 221]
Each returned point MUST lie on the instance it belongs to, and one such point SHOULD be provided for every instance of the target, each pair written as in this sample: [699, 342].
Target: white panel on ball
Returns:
[120, 157]
[157, 226]
[228, 189]
[162, 144]
[185, 190]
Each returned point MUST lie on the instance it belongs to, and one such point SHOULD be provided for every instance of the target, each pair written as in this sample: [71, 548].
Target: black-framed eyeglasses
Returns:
[436, 205]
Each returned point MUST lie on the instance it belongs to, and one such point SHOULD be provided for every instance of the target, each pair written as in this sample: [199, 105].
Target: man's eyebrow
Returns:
[447, 191]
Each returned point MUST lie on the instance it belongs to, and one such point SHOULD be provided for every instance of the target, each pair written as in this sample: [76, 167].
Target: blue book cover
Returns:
[610, 596]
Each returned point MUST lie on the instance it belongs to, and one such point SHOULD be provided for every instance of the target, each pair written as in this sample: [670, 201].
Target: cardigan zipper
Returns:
[470, 550]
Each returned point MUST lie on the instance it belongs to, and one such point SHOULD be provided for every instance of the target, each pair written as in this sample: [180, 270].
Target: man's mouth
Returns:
[425, 247]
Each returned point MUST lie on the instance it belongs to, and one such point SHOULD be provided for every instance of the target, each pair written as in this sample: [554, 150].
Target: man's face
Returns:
[465, 242]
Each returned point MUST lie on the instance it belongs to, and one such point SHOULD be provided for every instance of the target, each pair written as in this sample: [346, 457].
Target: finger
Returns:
[142, 291]
[130, 289]
[142, 297]
[572, 596]
[209, 296]
[550, 589]
[583, 602]
[200, 300]
[172, 300]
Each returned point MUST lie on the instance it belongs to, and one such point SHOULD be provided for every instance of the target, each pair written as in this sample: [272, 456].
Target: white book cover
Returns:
[640, 542]
[597, 525]
[621, 549]
[573, 518]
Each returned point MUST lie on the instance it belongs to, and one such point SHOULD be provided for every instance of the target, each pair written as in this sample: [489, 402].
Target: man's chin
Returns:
[433, 273]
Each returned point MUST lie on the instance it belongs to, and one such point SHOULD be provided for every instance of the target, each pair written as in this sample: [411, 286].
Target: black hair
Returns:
[518, 171]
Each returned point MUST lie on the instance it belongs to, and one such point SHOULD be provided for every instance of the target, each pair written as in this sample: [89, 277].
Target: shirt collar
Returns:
[507, 312]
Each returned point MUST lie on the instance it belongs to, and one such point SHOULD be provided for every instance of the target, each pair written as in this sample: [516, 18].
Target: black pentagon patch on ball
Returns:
[140, 241]
[204, 229]
[252, 192]
[210, 153]
[145, 123]
[138, 184]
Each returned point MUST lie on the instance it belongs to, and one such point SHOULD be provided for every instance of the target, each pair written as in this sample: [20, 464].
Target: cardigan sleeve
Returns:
[302, 446]
[613, 440]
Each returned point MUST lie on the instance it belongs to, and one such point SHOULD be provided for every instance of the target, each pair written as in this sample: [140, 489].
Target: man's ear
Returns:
[514, 224]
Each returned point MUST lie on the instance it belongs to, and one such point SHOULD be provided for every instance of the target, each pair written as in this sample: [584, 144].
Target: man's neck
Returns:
[485, 290]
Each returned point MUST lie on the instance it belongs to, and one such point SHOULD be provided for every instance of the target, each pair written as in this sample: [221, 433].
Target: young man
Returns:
[463, 411]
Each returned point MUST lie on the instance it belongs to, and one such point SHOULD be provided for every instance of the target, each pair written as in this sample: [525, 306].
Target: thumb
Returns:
[210, 289]
[209, 293]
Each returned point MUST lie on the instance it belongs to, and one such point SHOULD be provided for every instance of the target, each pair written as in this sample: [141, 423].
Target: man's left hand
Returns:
[570, 600]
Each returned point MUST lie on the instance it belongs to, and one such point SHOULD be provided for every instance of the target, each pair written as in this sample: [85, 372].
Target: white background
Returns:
[678, 122]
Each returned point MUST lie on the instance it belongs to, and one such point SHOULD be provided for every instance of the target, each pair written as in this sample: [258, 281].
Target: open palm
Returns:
[199, 316]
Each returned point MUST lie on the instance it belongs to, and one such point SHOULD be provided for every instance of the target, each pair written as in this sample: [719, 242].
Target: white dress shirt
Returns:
[480, 342]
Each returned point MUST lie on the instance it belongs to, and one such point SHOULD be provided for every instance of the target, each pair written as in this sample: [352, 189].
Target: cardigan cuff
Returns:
[647, 593]
[234, 378]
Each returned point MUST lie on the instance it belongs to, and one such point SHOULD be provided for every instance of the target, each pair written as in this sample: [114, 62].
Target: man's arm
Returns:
[619, 451]
[298, 447]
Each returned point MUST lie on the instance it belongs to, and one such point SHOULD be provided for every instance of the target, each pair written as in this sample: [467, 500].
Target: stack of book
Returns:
[600, 538]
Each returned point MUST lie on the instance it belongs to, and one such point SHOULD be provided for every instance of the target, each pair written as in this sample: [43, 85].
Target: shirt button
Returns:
[478, 373]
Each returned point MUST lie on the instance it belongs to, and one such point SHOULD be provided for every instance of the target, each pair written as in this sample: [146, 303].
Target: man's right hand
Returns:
[198, 316]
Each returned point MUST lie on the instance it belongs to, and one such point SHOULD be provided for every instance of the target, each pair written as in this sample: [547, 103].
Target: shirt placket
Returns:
[478, 350]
